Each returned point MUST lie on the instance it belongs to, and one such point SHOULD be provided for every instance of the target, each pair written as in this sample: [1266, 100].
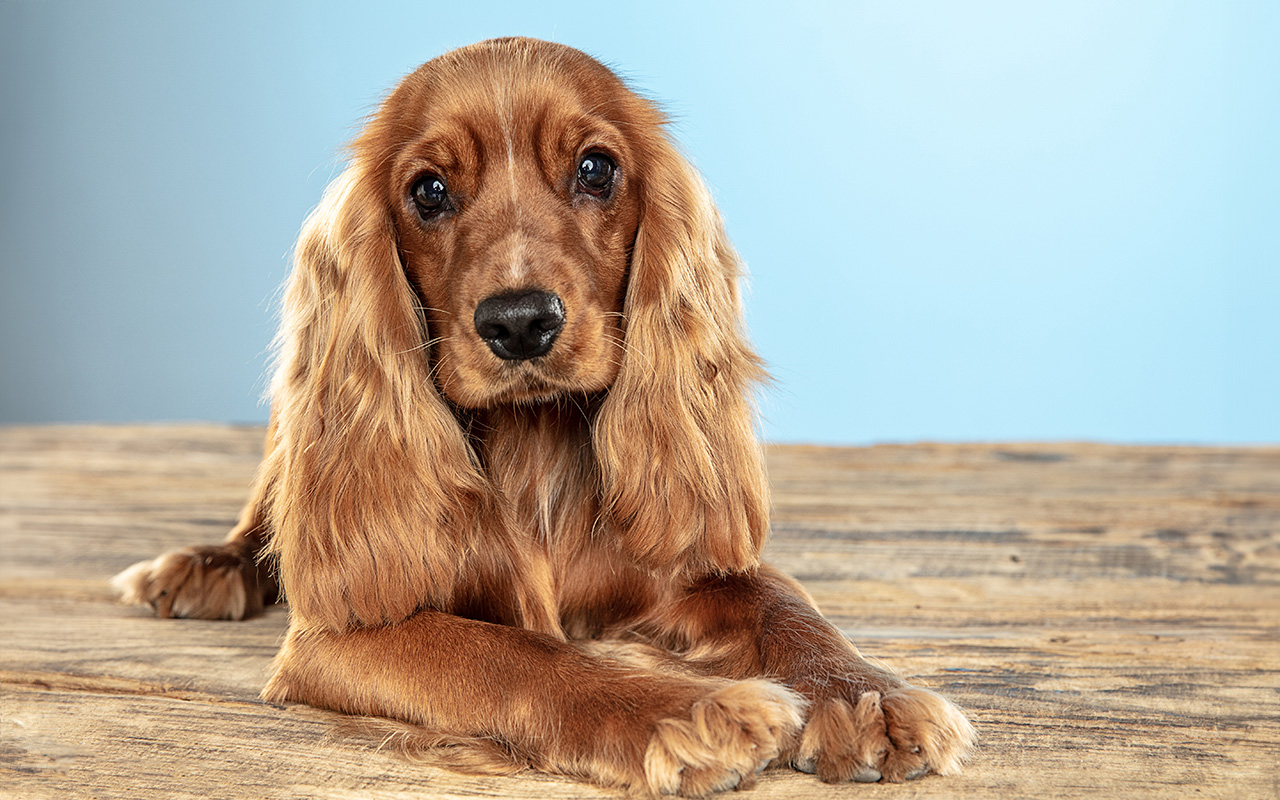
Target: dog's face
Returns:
[515, 197]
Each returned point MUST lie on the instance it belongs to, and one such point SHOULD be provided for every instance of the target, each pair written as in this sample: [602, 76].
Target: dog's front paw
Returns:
[727, 738]
[902, 734]
[218, 582]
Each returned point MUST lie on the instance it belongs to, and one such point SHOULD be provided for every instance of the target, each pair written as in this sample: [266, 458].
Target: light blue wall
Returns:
[964, 220]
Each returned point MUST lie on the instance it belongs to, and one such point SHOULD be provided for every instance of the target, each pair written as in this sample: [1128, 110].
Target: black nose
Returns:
[520, 325]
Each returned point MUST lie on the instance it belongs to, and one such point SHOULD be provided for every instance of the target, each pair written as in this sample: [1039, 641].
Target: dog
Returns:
[511, 489]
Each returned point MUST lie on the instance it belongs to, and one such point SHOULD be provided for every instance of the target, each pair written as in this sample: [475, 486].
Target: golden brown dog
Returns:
[511, 489]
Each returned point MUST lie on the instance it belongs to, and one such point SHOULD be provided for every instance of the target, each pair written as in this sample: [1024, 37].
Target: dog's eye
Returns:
[595, 174]
[430, 195]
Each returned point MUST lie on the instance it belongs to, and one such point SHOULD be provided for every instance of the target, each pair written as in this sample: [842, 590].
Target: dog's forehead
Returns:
[511, 97]
[505, 79]
[523, 60]
[501, 87]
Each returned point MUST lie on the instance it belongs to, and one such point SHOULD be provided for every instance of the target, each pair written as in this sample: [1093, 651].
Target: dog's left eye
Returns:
[595, 174]
[430, 195]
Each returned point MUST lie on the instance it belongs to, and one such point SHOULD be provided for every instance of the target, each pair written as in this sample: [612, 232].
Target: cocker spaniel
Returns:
[511, 489]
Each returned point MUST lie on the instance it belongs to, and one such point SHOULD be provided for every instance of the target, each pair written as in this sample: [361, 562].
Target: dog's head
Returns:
[513, 173]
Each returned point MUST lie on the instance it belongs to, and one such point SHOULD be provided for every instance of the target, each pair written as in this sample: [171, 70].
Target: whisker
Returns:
[427, 344]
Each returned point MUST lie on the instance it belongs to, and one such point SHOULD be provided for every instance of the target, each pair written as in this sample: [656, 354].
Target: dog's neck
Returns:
[533, 454]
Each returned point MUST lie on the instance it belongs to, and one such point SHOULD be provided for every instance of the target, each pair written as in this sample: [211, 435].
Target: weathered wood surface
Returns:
[1109, 616]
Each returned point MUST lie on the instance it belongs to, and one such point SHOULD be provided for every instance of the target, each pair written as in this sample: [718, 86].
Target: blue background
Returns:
[964, 221]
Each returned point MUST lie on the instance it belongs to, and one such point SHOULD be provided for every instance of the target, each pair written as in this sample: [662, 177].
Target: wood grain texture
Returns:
[1109, 616]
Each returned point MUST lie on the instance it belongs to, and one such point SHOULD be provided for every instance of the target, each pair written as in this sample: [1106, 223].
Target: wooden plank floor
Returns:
[1109, 616]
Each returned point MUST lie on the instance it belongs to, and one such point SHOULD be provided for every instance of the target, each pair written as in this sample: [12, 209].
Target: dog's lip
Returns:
[533, 380]
[521, 397]
[524, 382]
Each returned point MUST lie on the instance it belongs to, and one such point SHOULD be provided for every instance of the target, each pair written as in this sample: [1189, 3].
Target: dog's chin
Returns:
[530, 392]
[524, 384]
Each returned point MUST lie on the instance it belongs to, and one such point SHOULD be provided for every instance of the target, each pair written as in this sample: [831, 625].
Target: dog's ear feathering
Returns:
[376, 494]
[682, 468]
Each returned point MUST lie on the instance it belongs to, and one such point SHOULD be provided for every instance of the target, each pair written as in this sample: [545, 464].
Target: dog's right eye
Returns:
[430, 195]
[595, 174]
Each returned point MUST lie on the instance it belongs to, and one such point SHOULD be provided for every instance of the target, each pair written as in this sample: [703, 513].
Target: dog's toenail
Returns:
[731, 780]
[806, 765]
[918, 772]
[867, 775]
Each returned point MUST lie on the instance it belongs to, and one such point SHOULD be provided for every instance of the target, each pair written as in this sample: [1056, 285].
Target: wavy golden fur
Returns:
[511, 489]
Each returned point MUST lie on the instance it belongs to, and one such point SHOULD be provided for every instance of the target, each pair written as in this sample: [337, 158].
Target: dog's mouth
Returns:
[527, 382]
[531, 383]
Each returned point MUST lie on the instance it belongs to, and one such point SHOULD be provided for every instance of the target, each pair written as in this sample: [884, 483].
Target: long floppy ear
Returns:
[682, 469]
[375, 492]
